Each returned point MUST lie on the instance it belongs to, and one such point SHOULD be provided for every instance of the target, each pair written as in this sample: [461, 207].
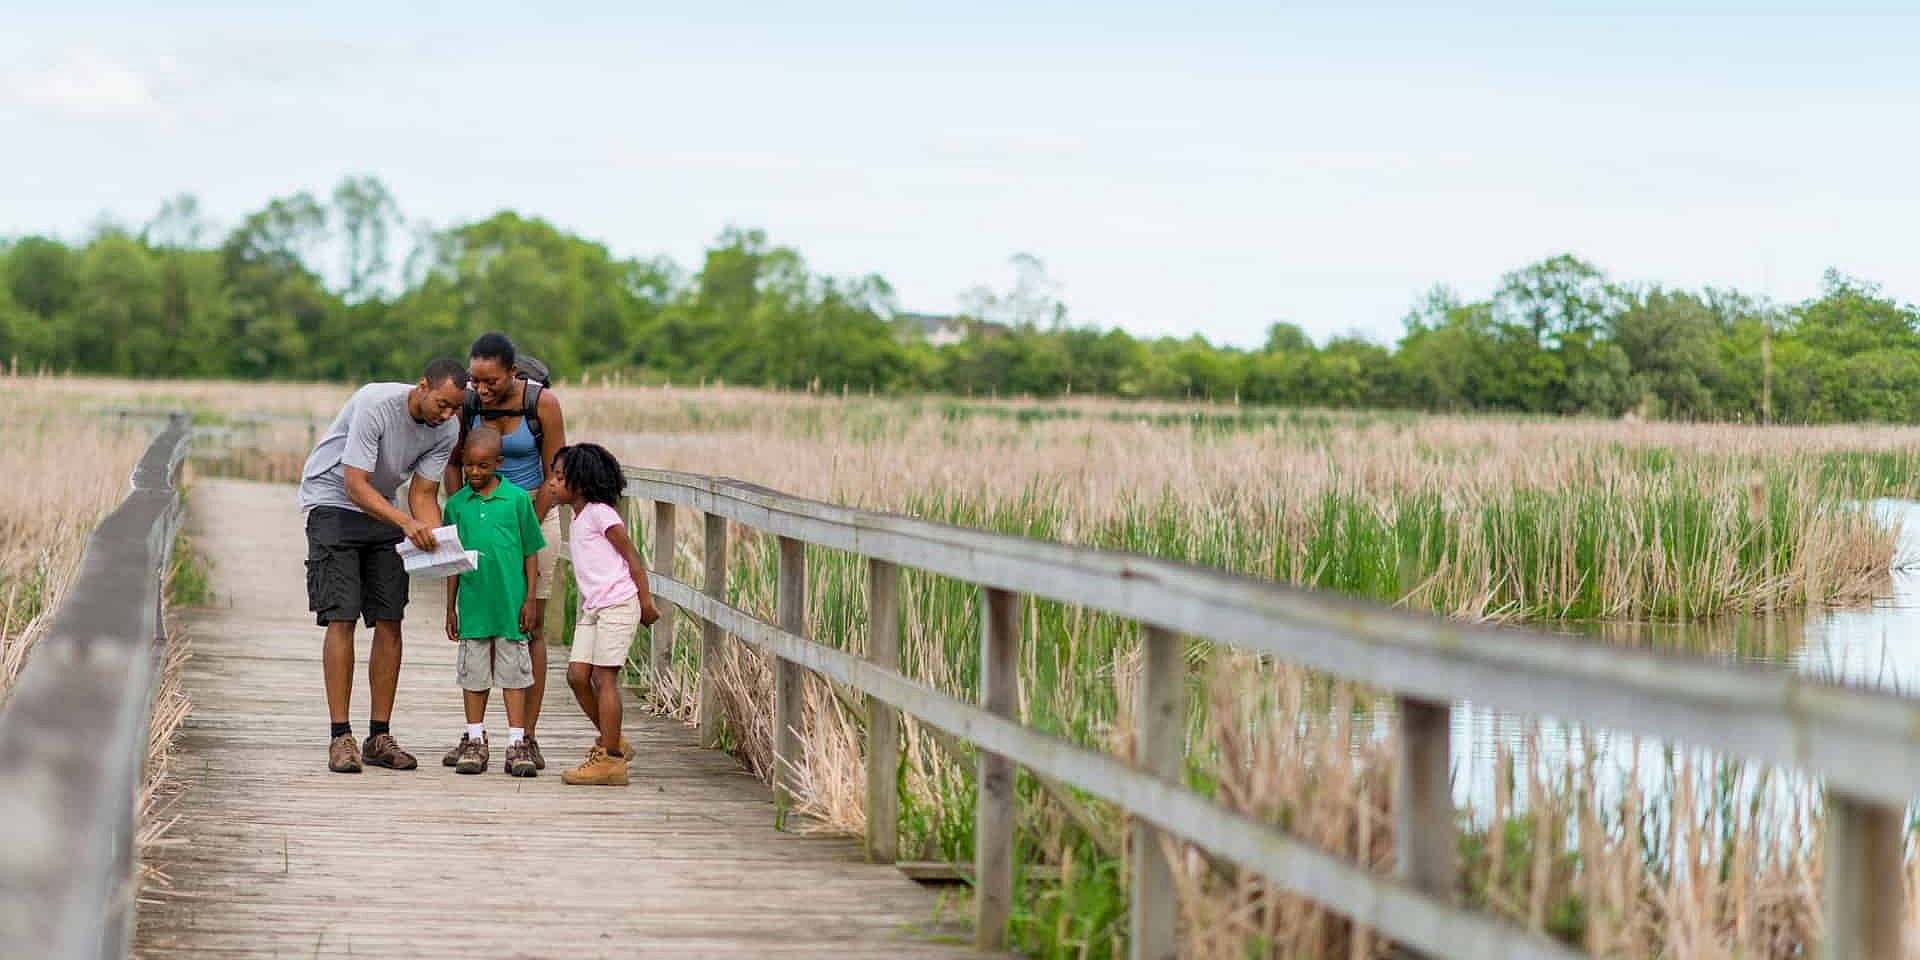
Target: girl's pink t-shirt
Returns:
[599, 569]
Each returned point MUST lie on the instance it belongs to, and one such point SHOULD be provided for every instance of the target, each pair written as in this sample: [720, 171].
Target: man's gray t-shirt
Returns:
[376, 433]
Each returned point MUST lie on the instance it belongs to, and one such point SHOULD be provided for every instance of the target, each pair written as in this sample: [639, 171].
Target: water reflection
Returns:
[1876, 645]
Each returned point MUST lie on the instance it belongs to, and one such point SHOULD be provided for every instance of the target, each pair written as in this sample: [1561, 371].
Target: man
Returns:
[386, 434]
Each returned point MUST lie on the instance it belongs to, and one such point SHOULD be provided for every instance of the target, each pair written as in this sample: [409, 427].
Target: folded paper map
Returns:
[446, 560]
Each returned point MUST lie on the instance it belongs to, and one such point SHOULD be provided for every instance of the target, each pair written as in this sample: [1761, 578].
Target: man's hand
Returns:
[528, 622]
[649, 614]
[420, 534]
[453, 625]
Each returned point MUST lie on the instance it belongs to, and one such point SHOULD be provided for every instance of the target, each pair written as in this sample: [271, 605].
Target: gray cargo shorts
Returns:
[485, 664]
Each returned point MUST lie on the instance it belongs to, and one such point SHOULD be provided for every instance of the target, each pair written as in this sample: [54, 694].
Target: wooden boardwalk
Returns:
[277, 857]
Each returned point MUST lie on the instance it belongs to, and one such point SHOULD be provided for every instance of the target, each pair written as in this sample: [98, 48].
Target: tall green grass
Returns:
[1547, 551]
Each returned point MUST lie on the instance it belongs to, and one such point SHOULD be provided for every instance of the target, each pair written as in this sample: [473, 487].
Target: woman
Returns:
[532, 430]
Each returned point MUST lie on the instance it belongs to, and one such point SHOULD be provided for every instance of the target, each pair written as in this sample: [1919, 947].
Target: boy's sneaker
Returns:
[520, 760]
[599, 770]
[626, 751]
[473, 756]
[453, 753]
[533, 747]
[384, 751]
[343, 754]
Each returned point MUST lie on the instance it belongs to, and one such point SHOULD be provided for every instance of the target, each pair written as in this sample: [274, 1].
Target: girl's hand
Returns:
[649, 614]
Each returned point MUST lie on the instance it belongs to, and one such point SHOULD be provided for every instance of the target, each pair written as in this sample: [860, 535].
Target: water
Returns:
[1876, 645]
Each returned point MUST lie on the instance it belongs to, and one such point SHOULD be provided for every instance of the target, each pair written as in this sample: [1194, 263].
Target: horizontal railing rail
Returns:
[1864, 745]
[74, 731]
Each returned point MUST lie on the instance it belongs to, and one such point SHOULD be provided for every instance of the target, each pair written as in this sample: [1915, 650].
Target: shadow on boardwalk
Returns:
[275, 856]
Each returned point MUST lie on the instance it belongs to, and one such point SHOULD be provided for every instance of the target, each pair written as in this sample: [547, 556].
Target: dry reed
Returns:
[1483, 518]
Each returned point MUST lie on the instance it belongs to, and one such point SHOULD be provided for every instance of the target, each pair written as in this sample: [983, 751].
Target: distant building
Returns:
[937, 329]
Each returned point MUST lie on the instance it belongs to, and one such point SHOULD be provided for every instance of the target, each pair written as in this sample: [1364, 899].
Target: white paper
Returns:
[446, 560]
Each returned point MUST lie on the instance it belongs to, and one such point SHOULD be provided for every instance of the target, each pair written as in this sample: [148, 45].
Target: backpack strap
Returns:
[530, 410]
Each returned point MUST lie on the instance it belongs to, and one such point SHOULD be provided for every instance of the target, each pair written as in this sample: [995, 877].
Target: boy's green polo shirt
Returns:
[501, 525]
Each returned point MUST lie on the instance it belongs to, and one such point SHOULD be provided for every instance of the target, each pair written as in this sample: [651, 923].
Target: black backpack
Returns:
[538, 379]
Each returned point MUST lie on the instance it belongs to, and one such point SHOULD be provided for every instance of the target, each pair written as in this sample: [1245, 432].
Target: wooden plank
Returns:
[273, 855]
[942, 872]
[660, 646]
[1864, 883]
[787, 689]
[1400, 912]
[994, 811]
[1856, 739]
[1159, 739]
[711, 637]
[883, 721]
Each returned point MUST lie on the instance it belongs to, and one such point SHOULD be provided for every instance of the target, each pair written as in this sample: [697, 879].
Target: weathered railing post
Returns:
[787, 687]
[1423, 826]
[883, 721]
[710, 634]
[994, 815]
[1159, 748]
[660, 651]
[1864, 891]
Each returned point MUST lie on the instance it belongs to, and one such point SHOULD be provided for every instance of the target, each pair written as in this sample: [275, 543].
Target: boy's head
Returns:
[480, 458]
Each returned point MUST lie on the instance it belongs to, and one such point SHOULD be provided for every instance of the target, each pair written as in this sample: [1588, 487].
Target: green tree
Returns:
[1669, 342]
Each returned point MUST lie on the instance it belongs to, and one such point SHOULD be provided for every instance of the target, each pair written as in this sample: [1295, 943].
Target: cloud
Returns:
[81, 82]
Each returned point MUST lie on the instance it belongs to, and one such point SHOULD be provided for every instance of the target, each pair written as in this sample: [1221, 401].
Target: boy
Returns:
[490, 610]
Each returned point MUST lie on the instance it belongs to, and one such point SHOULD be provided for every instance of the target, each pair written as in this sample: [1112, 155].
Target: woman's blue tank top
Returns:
[520, 457]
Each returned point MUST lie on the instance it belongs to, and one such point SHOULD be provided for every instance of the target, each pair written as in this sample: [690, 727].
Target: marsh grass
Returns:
[66, 471]
[1507, 519]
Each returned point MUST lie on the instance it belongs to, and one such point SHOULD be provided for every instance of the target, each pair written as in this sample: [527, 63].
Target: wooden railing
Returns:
[73, 734]
[1864, 745]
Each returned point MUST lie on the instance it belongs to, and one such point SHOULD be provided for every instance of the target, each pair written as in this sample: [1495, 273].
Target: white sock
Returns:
[476, 731]
[515, 735]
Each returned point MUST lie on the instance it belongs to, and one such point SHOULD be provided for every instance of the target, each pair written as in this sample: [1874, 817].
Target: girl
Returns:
[614, 600]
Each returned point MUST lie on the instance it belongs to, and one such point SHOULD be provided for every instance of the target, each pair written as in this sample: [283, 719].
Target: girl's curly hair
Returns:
[590, 471]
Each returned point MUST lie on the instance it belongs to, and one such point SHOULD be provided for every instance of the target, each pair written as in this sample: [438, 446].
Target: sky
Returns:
[1186, 168]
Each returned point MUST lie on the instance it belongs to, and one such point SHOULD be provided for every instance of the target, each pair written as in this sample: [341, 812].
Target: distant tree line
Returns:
[318, 289]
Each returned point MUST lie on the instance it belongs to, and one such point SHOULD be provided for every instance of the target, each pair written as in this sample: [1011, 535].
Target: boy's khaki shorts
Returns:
[602, 637]
[547, 561]
[485, 664]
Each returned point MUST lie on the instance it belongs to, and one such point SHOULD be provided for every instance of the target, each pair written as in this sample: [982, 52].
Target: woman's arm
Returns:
[553, 436]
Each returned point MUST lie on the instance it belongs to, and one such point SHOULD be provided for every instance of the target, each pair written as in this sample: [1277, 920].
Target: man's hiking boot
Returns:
[343, 754]
[600, 770]
[384, 751]
[473, 756]
[520, 760]
[539, 759]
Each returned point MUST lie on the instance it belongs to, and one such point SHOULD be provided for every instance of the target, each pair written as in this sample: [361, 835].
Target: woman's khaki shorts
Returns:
[548, 559]
[602, 637]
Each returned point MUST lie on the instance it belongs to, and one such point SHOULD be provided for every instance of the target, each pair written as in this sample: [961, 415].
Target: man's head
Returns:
[480, 458]
[490, 365]
[441, 392]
